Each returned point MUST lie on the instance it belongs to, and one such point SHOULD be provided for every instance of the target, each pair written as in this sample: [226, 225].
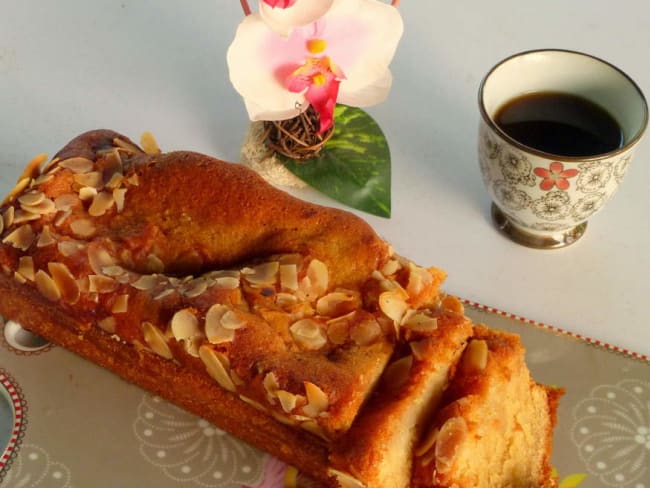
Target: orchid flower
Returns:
[341, 56]
[283, 15]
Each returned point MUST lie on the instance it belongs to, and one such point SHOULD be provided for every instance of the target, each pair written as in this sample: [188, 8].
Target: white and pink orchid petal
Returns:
[299, 13]
[259, 62]
[279, 3]
[258, 112]
[371, 94]
[362, 39]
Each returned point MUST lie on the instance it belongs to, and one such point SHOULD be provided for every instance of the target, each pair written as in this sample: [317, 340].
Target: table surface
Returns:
[159, 65]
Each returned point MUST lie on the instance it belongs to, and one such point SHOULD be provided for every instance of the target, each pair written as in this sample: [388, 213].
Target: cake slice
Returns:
[495, 426]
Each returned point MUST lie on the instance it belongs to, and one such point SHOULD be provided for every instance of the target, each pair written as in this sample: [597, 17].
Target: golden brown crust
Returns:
[290, 325]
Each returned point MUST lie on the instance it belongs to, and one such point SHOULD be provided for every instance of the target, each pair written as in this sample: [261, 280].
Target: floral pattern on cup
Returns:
[612, 433]
[190, 450]
[555, 175]
[546, 195]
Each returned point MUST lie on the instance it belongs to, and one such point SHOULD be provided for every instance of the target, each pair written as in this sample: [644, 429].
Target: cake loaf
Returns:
[290, 325]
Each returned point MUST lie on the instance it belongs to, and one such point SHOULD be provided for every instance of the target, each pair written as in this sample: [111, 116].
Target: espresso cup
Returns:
[539, 198]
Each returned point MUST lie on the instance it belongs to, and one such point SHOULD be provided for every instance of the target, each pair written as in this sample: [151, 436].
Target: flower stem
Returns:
[247, 10]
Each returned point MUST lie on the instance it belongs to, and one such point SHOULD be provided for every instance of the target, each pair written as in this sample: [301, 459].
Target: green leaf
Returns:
[354, 166]
[573, 480]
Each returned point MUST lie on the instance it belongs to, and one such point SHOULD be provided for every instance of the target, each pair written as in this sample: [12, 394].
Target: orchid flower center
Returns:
[316, 46]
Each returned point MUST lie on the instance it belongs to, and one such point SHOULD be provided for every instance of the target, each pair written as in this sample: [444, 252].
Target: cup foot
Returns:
[550, 240]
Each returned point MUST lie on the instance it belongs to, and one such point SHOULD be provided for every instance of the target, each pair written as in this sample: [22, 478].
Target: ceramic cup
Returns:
[539, 199]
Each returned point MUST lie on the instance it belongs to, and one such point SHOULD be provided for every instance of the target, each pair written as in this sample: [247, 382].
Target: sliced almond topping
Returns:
[253, 403]
[115, 180]
[62, 217]
[20, 186]
[108, 325]
[428, 442]
[317, 400]
[113, 270]
[102, 202]
[166, 292]
[419, 349]
[149, 144]
[19, 278]
[289, 277]
[99, 258]
[133, 179]
[195, 288]
[452, 433]
[146, 282]
[231, 320]
[156, 340]
[315, 283]
[226, 282]
[32, 170]
[21, 238]
[46, 238]
[69, 247]
[419, 279]
[419, 321]
[126, 146]
[26, 267]
[308, 333]
[2, 224]
[101, 284]
[288, 400]
[31, 198]
[262, 274]
[44, 178]
[121, 304]
[113, 162]
[8, 217]
[44, 207]
[452, 304]
[338, 330]
[217, 366]
[66, 201]
[154, 264]
[93, 179]
[365, 332]
[271, 385]
[185, 325]
[21, 216]
[65, 281]
[391, 267]
[77, 164]
[87, 193]
[285, 300]
[345, 480]
[118, 196]
[312, 427]
[393, 304]
[214, 331]
[337, 303]
[396, 373]
[475, 355]
[46, 286]
[83, 227]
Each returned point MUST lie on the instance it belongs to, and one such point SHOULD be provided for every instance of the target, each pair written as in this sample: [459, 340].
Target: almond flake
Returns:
[118, 195]
[19, 278]
[396, 374]
[285, 300]
[77, 164]
[337, 303]
[8, 217]
[475, 355]
[65, 282]
[20, 186]
[46, 286]
[345, 480]
[317, 400]
[44, 178]
[230, 320]
[114, 181]
[87, 193]
[26, 267]
[419, 279]
[133, 179]
[262, 274]
[214, 331]
[69, 247]
[99, 258]
[21, 238]
[2, 224]
[108, 325]
[156, 340]
[101, 284]
[164, 293]
[419, 321]
[289, 277]
[21, 216]
[32, 170]
[146, 282]
[315, 283]
[113, 162]
[226, 282]
[288, 400]
[83, 227]
[31, 198]
[195, 288]
[149, 144]
[452, 434]
[271, 385]
[121, 304]
[62, 217]
[185, 325]
[126, 146]
[393, 304]
[217, 366]
[419, 349]
[391, 267]
[93, 179]
[308, 333]
[102, 202]
[365, 332]
[44, 207]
